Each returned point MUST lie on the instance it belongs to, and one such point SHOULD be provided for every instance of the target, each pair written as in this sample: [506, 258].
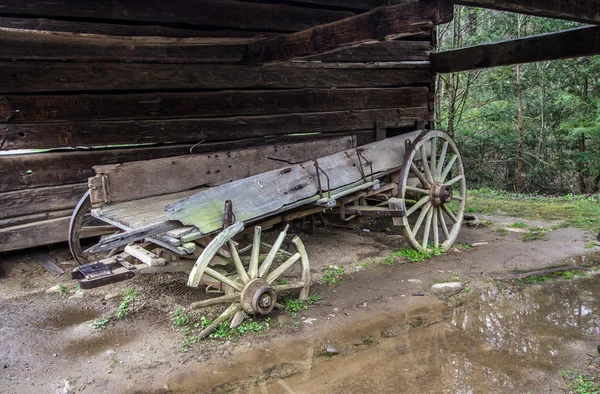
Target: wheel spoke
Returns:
[237, 262]
[214, 301]
[443, 223]
[436, 236]
[420, 219]
[222, 278]
[426, 165]
[433, 158]
[232, 310]
[418, 205]
[237, 319]
[457, 198]
[449, 213]
[289, 286]
[419, 175]
[448, 168]
[441, 162]
[454, 180]
[266, 265]
[282, 268]
[417, 190]
[253, 267]
[427, 228]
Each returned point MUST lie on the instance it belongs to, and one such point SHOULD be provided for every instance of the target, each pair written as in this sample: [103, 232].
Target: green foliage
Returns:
[534, 233]
[64, 290]
[224, 332]
[367, 340]
[128, 298]
[501, 231]
[591, 245]
[100, 324]
[180, 318]
[581, 384]
[293, 305]
[462, 246]
[333, 275]
[518, 225]
[387, 261]
[415, 256]
[539, 279]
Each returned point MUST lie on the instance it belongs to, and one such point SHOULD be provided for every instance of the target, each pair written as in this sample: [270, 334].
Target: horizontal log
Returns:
[584, 11]
[34, 234]
[583, 41]
[44, 108]
[58, 168]
[35, 77]
[380, 23]
[54, 135]
[35, 217]
[214, 13]
[386, 51]
[42, 45]
[43, 199]
[113, 29]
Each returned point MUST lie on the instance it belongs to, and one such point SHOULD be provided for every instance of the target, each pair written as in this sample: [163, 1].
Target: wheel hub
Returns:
[440, 194]
[258, 297]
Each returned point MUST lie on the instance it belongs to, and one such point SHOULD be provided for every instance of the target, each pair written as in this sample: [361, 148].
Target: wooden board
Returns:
[34, 234]
[265, 193]
[386, 51]
[215, 13]
[51, 135]
[584, 11]
[43, 199]
[23, 109]
[584, 41]
[175, 174]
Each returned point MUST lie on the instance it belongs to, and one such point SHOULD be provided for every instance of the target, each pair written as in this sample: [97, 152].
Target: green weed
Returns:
[518, 225]
[387, 261]
[501, 231]
[415, 256]
[180, 318]
[293, 305]
[591, 245]
[581, 384]
[534, 233]
[453, 278]
[462, 246]
[333, 275]
[128, 298]
[100, 324]
[367, 340]
[224, 332]
[64, 290]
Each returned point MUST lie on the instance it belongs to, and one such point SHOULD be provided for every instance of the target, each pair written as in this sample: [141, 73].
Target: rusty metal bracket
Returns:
[228, 216]
[105, 189]
[360, 156]
[319, 170]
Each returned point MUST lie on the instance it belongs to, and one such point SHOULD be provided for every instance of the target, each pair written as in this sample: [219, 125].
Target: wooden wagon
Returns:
[416, 179]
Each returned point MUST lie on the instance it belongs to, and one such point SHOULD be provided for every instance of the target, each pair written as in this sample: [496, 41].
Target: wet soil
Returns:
[390, 337]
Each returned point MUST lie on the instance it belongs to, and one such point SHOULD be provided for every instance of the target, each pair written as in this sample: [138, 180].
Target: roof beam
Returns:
[378, 24]
[583, 41]
[584, 11]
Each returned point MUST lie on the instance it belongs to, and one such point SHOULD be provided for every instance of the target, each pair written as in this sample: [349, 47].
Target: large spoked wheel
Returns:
[83, 225]
[433, 179]
[255, 290]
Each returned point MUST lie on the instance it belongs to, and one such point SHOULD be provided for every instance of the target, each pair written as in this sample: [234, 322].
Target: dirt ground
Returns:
[392, 335]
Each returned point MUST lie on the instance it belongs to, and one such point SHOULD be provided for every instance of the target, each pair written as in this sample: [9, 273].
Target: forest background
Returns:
[531, 128]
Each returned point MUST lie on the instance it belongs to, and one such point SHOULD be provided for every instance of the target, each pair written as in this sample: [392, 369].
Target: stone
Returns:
[478, 244]
[477, 224]
[68, 388]
[53, 289]
[415, 281]
[447, 289]
[331, 350]
[77, 294]
[469, 217]
[309, 320]
[388, 230]
[454, 250]
[110, 296]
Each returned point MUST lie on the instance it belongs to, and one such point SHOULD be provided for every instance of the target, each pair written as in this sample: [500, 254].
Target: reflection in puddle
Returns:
[500, 340]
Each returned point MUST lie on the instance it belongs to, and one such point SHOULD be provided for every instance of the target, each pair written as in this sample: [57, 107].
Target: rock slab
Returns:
[447, 289]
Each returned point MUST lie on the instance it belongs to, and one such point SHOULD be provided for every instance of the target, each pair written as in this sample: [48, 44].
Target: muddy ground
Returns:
[392, 335]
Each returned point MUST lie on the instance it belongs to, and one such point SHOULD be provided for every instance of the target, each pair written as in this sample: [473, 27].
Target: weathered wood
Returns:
[215, 13]
[42, 45]
[35, 217]
[262, 194]
[45, 261]
[43, 199]
[22, 109]
[36, 77]
[145, 256]
[34, 234]
[51, 135]
[380, 23]
[386, 51]
[253, 265]
[114, 241]
[583, 41]
[584, 11]
[114, 29]
[206, 169]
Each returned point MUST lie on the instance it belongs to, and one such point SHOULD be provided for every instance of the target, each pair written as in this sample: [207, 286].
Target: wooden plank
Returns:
[380, 23]
[114, 29]
[583, 41]
[35, 217]
[584, 11]
[45, 261]
[42, 45]
[58, 168]
[35, 77]
[263, 194]
[187, 172]
[44, 108]
[34, 234]
[386, 51]
[52, 135]
[43, 199]
[214, 13]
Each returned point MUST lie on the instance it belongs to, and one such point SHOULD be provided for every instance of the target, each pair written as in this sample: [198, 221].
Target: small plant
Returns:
[314, 298]
[363, 265]
[333, 275]
[518, 225]
[100, 324]
[462, 246]
[282, 282]
[415, 256]
[293, 305]
[569, 275]
[64, 290]
[591, 245]
[501, 231]
[367, 340]
[180, 318]
[452, 278]
[534, 233]
[224, 332]
[77, 287]
[581, 384]
[128, 298]
[387, 261]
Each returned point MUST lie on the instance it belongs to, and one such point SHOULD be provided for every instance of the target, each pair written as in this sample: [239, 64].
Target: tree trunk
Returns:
[519, 119]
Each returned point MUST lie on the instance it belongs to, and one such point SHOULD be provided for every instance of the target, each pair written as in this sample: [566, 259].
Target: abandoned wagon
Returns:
[197, 122]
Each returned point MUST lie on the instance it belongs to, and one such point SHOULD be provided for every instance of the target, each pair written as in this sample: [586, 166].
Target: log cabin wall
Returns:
[109, 82]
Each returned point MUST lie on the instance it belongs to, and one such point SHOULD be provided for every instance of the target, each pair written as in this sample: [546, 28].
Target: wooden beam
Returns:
[34, 234]
[378, 24]
[385, 51]
[213, 13]
[584, 11]
[70, 134]
[38, 77]
[583, 41]
[96, 107]
[43, 199]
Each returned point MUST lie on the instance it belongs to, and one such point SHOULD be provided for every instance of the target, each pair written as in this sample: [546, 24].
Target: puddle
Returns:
[67, 317]
[508, 340]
